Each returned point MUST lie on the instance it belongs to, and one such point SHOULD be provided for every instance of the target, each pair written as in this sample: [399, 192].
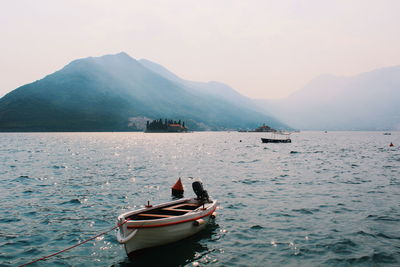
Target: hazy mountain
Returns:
[369, 101]
[107, 93]
[215, 89]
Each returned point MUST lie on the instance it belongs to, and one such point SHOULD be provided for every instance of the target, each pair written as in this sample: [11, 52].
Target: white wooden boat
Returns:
[165, 223]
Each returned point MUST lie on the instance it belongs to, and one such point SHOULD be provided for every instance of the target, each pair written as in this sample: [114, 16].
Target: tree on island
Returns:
[166, 125]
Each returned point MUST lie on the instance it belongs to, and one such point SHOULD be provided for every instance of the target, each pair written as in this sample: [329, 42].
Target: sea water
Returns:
[326, 199]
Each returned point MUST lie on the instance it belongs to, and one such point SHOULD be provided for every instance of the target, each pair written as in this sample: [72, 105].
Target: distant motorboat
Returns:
[278, 137]
[165, 223]
[387, 133]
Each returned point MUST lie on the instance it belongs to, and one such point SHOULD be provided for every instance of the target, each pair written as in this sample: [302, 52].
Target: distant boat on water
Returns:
[278, 137]
[387, 133]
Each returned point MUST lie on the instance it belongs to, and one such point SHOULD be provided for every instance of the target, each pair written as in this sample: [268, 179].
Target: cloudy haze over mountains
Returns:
[263, 49]
[368, 101]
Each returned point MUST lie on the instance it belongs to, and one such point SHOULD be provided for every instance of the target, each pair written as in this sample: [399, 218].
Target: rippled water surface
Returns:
[327, 199]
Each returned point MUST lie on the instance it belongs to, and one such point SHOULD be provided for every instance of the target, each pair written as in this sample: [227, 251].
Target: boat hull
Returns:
[268, 140]
[139, 235]
[153, 237]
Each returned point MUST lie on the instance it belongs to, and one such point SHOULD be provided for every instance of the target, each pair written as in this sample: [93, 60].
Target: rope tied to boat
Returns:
[76, 245]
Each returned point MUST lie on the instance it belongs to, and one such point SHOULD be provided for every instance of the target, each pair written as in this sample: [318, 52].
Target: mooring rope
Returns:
[76, 245]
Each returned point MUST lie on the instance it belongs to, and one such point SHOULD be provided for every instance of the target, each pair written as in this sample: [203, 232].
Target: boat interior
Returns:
[165, 212]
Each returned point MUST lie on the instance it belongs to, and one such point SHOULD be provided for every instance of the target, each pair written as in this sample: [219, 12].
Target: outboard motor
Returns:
[201, 194]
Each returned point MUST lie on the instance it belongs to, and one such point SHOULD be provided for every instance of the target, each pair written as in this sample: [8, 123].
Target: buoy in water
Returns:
[177, 189]
[391, 144]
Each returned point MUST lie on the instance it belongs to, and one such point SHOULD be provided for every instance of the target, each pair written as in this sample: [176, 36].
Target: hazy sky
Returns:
[263, 49]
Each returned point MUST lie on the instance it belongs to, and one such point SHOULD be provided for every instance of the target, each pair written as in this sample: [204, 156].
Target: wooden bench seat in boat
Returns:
[166, 212]
[155, 215]
[184, 204]
[172, 209]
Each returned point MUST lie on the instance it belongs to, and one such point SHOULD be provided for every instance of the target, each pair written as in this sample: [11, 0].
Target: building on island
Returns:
[264, 128]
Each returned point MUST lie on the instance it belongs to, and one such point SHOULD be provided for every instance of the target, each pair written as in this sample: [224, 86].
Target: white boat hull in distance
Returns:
[163, 224]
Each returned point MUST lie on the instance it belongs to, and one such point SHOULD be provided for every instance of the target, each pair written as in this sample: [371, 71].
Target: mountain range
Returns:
[117, 93]
[120, 93]
[367, 101]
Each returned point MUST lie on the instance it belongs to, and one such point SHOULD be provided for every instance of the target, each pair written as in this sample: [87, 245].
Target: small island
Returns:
[166, 126]
[263, 128]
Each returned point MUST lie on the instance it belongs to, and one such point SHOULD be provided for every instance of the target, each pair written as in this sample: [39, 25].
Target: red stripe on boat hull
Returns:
[171, 223]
